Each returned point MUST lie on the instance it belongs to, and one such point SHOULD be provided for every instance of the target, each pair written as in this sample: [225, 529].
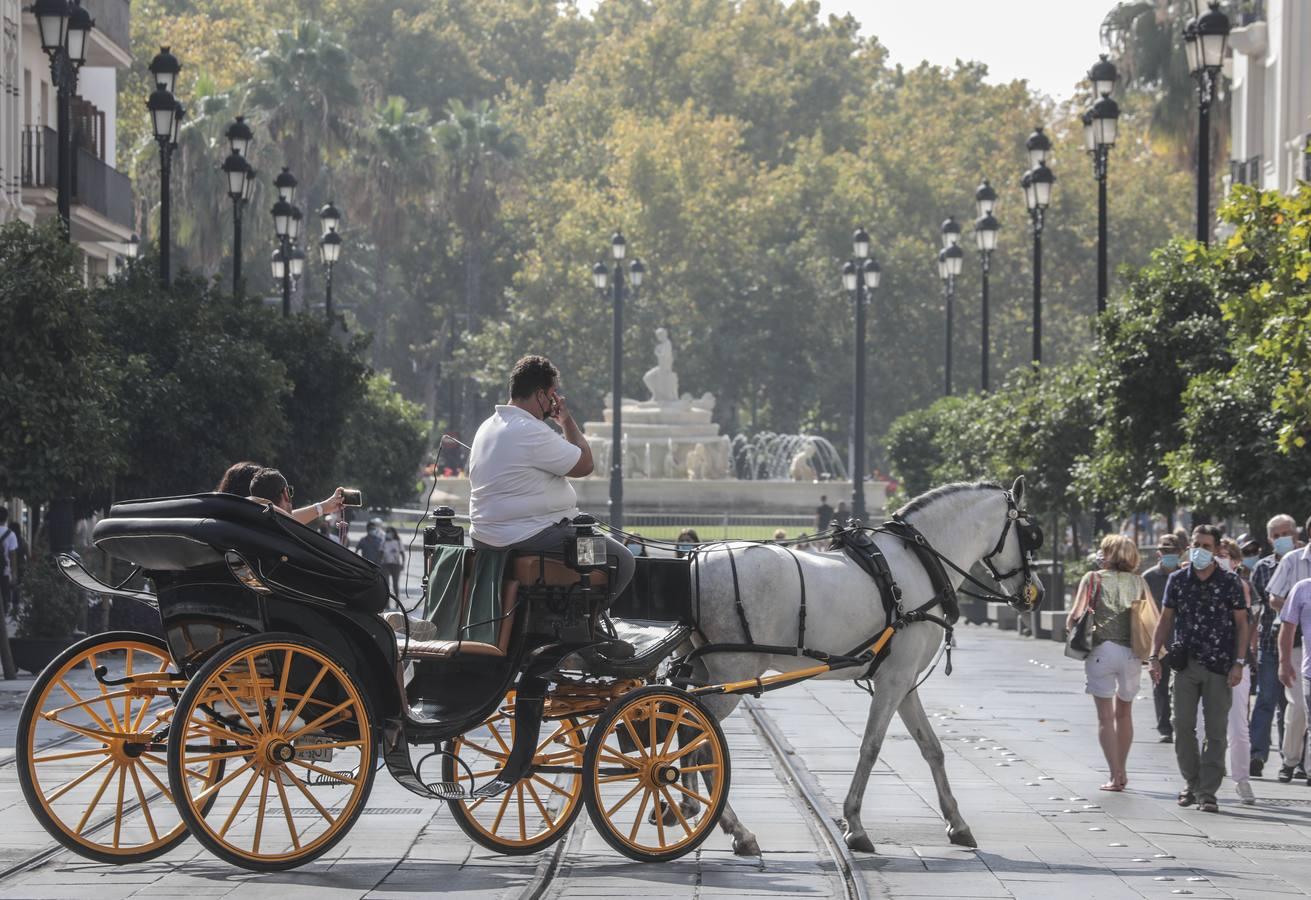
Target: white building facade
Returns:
[1270, 89]
[101, 210]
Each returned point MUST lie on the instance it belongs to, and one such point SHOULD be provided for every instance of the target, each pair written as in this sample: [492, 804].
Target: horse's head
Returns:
[1011, 559]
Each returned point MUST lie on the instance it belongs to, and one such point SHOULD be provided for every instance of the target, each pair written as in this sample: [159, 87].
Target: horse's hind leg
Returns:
[881, 708]
[917, 723]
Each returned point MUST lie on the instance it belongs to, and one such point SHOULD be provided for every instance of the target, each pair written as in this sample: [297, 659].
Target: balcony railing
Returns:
[95, 185]
[112, 18]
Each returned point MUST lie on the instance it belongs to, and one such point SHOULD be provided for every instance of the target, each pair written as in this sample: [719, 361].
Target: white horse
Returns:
[965, 523]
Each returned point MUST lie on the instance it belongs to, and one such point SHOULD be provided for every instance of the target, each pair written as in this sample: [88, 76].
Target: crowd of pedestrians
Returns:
[1230, 679]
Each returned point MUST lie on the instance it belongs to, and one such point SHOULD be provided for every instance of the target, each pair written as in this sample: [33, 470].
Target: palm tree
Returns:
[478, 153]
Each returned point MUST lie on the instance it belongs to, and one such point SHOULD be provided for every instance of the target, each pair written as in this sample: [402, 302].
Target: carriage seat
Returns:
[178, 534]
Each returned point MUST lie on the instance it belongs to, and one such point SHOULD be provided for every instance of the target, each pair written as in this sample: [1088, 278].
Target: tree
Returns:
[386, 438]
[58, 387]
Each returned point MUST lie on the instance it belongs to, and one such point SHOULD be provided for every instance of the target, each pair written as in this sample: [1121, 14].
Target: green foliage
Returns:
[1165, 331]
[52, 604]
[385, 439]
[58, 404]
[924, 446]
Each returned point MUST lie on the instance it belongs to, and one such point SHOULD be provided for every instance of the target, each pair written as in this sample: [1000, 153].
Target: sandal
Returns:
[1111, 786]
[1186, 798]
[1209, 806]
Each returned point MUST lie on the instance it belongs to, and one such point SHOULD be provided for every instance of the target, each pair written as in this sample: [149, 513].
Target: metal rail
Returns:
[799, 775]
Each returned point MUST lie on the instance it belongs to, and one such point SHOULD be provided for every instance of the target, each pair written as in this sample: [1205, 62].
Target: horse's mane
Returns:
[945, 490]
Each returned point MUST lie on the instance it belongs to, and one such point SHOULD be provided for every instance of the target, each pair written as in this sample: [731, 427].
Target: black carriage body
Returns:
[225, 567]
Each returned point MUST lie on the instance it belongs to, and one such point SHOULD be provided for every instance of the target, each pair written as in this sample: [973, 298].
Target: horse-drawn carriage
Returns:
[283, 683]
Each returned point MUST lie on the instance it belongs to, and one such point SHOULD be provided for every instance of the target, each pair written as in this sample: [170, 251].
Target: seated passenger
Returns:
[236, 480]
[519, 469]
[270, 487]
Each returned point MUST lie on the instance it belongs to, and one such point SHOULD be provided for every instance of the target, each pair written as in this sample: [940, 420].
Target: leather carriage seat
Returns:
[522, 570]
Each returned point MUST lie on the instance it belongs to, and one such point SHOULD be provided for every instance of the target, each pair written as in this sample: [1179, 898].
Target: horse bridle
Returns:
[1030, 536]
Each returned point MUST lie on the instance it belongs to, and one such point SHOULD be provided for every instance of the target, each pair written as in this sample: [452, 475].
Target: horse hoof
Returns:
[860, 843]
[665, 811]
[962, 838]
[689, 808]
[746, 846]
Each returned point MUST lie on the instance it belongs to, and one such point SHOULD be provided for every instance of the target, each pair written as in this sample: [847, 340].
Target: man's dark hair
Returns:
[4, 514]
[823, 498]
[1213, 530]
[530, 375]
[236, 480]
[268, 484]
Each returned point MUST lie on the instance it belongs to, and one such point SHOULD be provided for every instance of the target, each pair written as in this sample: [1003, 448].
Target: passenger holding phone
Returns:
[270, 486]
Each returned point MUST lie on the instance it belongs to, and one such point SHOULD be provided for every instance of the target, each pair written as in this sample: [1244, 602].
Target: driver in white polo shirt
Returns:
[519, 469]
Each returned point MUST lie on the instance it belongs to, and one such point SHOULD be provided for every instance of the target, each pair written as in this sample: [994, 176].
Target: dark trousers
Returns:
[1270, 701]
[1161, 696]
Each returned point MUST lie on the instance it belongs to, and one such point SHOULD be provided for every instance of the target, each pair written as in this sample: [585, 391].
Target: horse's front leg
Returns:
[744, 840]
[917, 723]
[881, 708]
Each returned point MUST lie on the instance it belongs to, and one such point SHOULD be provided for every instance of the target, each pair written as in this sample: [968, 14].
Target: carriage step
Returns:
[493, 788]
[447, 790]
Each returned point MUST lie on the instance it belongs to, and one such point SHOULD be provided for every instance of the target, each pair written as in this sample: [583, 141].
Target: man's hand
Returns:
[1235, 674]
[1287, 677]
[334, 503]
[560, 409]
[1154, 669]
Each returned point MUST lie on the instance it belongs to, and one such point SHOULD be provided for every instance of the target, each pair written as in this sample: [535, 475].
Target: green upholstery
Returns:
[464, 594]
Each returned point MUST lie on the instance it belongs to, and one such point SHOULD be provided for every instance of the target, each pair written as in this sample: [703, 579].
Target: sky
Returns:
[1053, 58]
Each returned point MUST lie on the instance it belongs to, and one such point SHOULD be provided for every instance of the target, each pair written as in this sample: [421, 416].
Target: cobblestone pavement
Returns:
[1022, 753]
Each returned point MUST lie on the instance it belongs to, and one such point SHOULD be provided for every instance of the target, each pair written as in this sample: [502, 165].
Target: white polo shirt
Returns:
[1293, 567]
[517, 483]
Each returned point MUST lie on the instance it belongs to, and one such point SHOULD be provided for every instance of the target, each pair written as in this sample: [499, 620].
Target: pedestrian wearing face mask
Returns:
[1230, 559]
[1204, 620]
[1294, 566]
[1271, 701]
[1167, 563]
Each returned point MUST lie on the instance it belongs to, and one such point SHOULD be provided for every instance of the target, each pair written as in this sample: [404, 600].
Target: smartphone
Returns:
[351, 497]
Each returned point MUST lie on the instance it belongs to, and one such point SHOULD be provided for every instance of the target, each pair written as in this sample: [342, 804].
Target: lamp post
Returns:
[1037, 184]
[64, 27]
[985, 238]
[951, 258]
[329, 249]
[283, 217]
[1205, 40]
[164, 115]
[238, 171]
[860, 276]
[1100, 127]
[618, 250]
[297, 260]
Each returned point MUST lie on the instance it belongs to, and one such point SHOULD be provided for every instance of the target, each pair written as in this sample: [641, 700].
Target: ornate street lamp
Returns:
[286, 185]
[1037, 184]
[951, 259]
[163, 107]
[1205, 41]
[238, 172]
[1101, 124]
[860, 277]
[240, 136]
[986, 227]
[64, 28]
[329, 218]
[600, 278]
[330, 250]
[282, 218]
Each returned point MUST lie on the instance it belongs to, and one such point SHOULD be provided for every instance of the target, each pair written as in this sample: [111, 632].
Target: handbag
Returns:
[1143, 619]
[1078, 643]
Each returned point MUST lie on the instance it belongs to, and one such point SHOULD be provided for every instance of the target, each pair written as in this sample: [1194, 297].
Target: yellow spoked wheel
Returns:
[657, 774]
[537, 811]
[296, 731]
[90, 752]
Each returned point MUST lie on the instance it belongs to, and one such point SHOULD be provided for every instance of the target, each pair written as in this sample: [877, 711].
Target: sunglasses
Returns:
[291, 492]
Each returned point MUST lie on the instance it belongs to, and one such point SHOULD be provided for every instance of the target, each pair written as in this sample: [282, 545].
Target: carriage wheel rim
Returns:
[537, 794]
[632, 787]
[267, 778]
[119, 779]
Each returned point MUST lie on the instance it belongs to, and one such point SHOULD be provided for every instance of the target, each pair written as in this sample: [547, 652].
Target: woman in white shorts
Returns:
[1113, 674]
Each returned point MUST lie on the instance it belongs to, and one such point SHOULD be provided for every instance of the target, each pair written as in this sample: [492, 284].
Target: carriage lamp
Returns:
[242, 571]
[585, 550]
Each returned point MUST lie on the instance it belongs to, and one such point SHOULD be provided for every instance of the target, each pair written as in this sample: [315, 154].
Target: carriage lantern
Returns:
[585, 550]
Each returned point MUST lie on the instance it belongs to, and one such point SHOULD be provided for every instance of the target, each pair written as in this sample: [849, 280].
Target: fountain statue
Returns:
[662, 381]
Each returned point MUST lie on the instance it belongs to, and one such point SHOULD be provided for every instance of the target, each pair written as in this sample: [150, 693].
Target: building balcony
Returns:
[101, 208]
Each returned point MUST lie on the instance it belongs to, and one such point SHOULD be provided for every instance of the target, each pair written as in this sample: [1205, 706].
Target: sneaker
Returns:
[1258, 766]
[1244, 791]
[1167, 739]
[1299, 772]
[1285, 774]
